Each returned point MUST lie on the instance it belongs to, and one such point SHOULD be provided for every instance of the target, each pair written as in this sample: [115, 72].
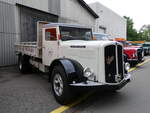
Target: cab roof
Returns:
[65, 25]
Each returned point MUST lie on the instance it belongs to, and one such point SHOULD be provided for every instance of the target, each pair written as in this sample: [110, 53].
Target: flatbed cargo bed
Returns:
[33, 49]
[28, 48]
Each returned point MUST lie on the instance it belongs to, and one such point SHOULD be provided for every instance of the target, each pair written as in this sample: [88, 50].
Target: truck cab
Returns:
[73, 59]
[60, 39]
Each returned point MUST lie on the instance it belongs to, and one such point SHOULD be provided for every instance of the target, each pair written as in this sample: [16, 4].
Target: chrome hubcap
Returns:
[58, 85]
[20, 65]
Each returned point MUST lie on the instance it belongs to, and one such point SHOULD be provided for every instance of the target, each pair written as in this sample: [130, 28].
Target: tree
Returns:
[145, 32]
[131, 32]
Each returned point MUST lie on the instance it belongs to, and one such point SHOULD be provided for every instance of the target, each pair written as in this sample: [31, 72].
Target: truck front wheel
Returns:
[60, 87]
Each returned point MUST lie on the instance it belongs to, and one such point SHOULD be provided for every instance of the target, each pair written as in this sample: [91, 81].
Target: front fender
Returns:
[72, 68]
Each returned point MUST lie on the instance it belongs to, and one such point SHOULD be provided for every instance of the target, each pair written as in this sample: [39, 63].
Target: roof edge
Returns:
[91, 11]
[21, 5]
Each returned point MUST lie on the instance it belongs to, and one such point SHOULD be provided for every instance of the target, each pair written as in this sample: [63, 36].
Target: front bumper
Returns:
[107, 85]
[130, 60]
[146, 52]
[136, 59]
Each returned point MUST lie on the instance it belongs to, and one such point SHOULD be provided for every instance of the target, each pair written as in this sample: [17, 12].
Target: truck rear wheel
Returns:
[60, 87]
[23, 64]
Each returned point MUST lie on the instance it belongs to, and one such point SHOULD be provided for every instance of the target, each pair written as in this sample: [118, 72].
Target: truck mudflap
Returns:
[98, 84]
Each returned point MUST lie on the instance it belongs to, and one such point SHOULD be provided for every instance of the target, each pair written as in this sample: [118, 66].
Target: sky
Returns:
[138, 10]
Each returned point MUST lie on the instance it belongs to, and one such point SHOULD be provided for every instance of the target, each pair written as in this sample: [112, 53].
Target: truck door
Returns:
[50, 45]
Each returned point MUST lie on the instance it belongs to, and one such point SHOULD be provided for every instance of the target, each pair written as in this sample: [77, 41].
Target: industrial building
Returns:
[109, 22]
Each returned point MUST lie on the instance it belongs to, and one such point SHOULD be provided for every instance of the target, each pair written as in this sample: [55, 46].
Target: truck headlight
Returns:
[88, 73]
[127, 66]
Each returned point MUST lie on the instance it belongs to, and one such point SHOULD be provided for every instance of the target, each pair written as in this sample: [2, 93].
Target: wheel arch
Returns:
[72, 68]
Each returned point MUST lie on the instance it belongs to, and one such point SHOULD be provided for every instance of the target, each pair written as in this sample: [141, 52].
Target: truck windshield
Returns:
[71, 33]
[135, 44]
[146, 45]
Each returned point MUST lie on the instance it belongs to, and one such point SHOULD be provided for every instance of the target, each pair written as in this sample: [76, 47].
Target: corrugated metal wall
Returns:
[7, 34]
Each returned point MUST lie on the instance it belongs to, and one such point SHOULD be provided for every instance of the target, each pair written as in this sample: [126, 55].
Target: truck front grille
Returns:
[120, 61]
[110, 63]
[113, 64]
[139, 54]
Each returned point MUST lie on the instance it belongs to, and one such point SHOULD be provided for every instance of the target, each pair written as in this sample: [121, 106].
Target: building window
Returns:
[102, 28]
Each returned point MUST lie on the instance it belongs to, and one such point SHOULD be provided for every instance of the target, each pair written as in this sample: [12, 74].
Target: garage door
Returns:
[28, 19]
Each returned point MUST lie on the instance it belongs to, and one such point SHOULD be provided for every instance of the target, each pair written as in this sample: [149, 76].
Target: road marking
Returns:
[64, 108]
[140, 64]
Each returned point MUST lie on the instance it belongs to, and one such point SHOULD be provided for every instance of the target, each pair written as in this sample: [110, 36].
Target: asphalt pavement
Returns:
[31, 93]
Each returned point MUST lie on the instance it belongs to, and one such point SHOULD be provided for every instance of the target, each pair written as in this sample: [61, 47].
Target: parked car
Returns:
[133, 53]
[146, 47]
[68, 53]
[102, 36]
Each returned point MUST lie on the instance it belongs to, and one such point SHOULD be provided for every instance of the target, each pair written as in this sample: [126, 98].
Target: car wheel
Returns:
[60, 87]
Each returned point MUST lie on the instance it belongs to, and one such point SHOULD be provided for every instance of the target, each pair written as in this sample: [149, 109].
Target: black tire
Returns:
[23, 64]
[113, 91]
[63, 97]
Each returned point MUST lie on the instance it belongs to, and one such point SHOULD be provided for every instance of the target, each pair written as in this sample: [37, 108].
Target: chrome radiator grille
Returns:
[113, 63]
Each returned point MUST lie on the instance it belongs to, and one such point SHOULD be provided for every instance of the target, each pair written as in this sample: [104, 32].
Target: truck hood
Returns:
[131, 48]
[85, 44]
[136, 46]
[146, 47]
[88, 53]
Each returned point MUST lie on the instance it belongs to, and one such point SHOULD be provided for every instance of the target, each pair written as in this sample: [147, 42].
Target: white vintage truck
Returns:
[73, 59]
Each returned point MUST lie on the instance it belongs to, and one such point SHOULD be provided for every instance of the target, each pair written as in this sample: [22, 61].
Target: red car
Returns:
[133, 53]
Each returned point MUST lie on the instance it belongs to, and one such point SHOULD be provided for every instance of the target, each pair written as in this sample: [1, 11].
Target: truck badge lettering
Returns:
[78, 46]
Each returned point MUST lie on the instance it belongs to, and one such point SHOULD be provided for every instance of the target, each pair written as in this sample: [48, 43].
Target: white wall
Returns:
[115, 25]
[72, 12]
